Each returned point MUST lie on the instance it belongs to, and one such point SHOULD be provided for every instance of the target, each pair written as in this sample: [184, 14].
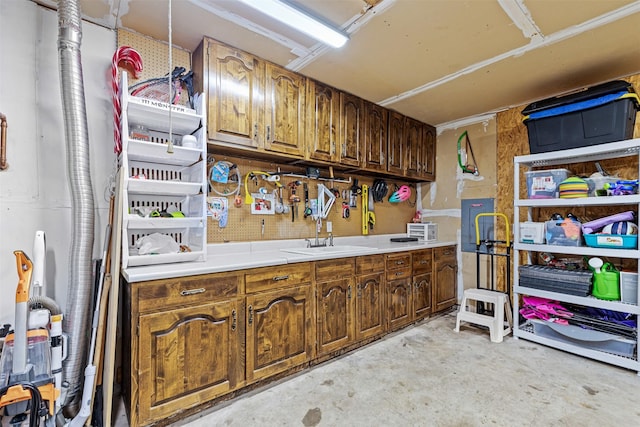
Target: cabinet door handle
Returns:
[233, 320]
[359, 290]
[250, 314]
[349, 291]
[255, 131]
[268, 132]
[277, 278]
[187, 292]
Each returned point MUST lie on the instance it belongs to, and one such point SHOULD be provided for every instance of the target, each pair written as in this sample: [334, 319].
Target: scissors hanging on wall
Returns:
[466, 167]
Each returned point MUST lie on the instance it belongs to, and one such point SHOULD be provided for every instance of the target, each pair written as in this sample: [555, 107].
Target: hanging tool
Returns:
[345, 210]
[466, 167]
[371, 217]
[307, 208]
[294, 199]
[354, 191]
[365, 210]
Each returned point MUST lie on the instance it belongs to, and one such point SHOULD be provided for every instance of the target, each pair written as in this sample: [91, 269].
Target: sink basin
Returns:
[326, 250]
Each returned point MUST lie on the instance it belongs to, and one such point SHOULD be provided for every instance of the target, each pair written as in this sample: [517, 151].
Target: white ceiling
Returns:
[439, 61]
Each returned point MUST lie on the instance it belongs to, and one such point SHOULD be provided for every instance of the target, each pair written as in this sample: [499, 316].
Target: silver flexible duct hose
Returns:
[46, 302]
[76, 321]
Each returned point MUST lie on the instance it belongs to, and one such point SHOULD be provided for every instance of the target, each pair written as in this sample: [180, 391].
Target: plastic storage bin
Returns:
[586, 338]
[611, 241]
[629, 287]
[602, 113]
[543, 184]
[564, 232]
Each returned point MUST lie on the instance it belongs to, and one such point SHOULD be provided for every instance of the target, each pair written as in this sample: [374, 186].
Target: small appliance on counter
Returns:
[427, 231]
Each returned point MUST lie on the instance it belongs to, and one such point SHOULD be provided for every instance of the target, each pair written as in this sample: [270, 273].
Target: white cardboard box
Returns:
[532, 232]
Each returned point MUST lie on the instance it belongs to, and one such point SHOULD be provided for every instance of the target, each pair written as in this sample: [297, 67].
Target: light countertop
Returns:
[243, 255]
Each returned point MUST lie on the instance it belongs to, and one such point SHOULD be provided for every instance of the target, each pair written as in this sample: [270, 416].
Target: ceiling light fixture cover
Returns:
[301, 21]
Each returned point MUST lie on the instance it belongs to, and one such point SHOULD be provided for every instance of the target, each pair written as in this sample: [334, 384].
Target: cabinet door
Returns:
[279, 331]
[323, 121]
[352, 122]
[236, 96]
[422, 295]
[284, 111]
[445, 271]
[335, 315]
[186, 357]
[375, 137]
[414, 137]
[369, 305]
[396, 147]
[428, 154]
[400, 303]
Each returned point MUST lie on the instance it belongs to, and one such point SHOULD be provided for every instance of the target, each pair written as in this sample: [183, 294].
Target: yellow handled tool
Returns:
[365, 210]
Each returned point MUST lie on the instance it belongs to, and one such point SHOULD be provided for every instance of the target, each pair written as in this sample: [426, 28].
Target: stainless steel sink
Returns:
[326, 250]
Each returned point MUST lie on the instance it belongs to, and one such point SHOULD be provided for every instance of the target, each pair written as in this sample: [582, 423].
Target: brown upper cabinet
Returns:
[375, 137]
[323, 121]
[414, 137]
[236, 96]
[428, 154]
[261, 109]
[284, 111]
[396, 147]
[352, 114]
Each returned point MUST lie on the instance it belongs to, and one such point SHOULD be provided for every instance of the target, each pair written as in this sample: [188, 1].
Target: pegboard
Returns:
[155, 57]
[242, 225]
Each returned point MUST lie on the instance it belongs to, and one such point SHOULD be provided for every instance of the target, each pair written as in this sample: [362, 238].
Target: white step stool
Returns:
[496, 322]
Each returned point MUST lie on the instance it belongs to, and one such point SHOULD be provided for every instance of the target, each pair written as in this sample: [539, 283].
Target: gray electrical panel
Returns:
[486, 224]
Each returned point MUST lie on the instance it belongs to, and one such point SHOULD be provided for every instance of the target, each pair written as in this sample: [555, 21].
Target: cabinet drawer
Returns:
[398, 273]
[421, 261]
[266, 278]
[332, 269]
[445, 252]
[166, 293]
[398, 261]
[369, 264]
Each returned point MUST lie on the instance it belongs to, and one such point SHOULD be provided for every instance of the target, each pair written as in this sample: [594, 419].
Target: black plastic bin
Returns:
[600, 114]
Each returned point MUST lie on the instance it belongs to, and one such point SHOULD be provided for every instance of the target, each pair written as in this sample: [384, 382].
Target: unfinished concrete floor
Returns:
[429, 375]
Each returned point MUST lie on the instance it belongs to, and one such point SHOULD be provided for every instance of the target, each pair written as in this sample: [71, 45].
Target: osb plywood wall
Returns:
[242, 225]
[512, 140]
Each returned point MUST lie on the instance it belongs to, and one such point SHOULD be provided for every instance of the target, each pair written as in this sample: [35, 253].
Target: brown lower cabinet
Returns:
[193, 339]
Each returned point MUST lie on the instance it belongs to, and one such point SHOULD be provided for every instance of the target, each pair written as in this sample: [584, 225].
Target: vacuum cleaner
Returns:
[31, 360]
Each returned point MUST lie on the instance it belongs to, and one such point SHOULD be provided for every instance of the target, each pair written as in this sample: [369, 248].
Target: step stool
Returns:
[495, 323]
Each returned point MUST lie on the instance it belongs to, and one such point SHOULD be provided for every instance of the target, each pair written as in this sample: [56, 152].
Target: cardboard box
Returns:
[532, 232]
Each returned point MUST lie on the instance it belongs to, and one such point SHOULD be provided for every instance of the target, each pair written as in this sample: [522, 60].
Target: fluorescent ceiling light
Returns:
[299, 20]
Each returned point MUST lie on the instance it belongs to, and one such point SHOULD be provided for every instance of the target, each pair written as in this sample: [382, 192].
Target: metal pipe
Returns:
[3, 144]
[76, 320]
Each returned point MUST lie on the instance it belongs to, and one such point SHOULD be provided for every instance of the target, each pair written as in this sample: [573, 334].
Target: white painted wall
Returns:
[34, 191]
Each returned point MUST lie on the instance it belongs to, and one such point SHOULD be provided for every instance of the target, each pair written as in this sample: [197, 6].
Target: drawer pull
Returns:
[424, 261]
[399, 262]
[277, 278]
[399, 273]
[188, 292]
